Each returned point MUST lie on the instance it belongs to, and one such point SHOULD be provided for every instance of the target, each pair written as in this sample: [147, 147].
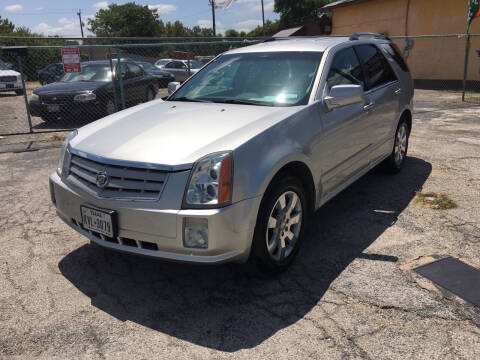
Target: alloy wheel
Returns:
[400, 144]
[284, 225]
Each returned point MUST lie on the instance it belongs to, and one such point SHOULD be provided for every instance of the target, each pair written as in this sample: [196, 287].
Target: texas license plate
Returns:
[100, 221]
[53, 108]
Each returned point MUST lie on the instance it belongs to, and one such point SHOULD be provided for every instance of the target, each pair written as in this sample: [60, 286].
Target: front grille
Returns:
[8, 78]
[124, 182]
[56, 99]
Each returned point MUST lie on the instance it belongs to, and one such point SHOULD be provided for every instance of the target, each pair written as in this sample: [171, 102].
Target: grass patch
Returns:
[436, 201]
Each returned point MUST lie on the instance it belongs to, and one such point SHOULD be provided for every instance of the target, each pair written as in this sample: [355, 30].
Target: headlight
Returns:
[34, 97]
[64, 160]
[88, 96]
[210, 182]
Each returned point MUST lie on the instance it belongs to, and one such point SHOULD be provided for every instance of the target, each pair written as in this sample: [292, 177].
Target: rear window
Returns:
[376, 66]
[394, 52]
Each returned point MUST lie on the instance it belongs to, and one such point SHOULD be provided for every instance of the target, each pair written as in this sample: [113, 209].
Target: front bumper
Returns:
[230, 229]
[71, 109]
[11, 86]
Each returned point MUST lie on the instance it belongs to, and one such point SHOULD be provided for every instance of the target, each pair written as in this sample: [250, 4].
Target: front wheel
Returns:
[281, 224]
[150, 95]
[19, 92]
[394, 163]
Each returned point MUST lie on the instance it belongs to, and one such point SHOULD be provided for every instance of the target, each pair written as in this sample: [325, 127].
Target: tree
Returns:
[271, 27]
[295, 13]
[125, 20]
[6, 26]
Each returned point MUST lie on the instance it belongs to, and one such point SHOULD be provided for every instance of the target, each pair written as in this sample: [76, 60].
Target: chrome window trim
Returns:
[142, 165]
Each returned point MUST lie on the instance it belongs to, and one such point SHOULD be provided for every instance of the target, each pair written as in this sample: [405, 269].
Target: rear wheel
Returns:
[281, 224]
[394, 163]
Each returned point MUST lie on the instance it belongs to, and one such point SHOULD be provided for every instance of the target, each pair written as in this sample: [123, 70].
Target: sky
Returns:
[59, 17]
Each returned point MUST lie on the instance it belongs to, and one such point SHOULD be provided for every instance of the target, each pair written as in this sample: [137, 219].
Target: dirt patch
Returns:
[436, 201]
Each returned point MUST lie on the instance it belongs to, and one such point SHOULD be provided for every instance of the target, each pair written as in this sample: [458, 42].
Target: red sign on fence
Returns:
[71, 60]
[183, 55]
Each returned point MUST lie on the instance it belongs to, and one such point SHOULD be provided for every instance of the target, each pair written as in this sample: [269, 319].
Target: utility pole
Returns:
[212, 3]
[263, 19]
[79, 13]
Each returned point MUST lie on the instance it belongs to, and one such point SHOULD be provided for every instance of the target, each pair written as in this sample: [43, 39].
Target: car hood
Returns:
[9, 73]
[70, 87]
[175, 134]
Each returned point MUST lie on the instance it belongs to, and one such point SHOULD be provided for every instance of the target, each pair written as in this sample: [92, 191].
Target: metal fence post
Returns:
[20, 67]
[120, 80]
[114, 82]
[465, 68]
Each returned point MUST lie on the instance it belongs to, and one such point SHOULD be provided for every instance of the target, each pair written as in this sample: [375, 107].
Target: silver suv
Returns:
[232, 165]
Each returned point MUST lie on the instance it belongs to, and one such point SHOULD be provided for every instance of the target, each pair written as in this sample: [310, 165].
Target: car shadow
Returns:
[232, 307]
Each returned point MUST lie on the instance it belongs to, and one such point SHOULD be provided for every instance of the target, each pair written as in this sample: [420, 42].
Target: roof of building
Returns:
[342, 3]
[287, 32]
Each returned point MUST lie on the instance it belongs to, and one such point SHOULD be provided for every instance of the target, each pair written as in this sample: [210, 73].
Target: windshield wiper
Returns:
[184, 98]
[244, 102]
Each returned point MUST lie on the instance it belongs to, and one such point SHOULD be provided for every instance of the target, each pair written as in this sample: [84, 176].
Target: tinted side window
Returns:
[392, 49]
[170, 65]
[135, 70]
[377, 68]
[345, 69]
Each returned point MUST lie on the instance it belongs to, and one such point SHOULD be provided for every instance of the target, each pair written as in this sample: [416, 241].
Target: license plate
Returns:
[53, 108]
[100, 221]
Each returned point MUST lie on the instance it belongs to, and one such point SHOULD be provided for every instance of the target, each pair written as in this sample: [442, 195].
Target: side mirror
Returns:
[343, 95]
[172, 87]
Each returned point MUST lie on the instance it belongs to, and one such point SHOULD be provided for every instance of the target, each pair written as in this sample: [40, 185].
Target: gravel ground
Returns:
[351, 293]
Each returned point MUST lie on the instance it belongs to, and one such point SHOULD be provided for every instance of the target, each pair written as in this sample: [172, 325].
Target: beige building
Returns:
[435, 62]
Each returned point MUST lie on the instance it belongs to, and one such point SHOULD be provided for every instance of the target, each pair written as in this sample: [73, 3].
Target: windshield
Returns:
[147, 66]
[90, 73]
[194, 64]
[3, 66]
[162, 62]
[275, 79]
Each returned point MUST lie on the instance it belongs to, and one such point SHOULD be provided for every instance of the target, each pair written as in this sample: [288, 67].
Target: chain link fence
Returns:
[135, 70]
[112, 78]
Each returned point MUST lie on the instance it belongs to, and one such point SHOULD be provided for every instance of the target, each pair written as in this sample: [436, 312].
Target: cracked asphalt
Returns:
[350, 294]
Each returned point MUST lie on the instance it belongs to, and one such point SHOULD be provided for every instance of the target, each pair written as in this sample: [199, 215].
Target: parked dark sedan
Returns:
[50, 73]
[90, 93]
[162, 76]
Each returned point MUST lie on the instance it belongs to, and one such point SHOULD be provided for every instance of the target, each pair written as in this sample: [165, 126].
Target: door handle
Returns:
[368, 106]
[398, 91]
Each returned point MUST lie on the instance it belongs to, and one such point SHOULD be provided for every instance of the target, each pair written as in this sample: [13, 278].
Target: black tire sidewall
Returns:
[259, 253]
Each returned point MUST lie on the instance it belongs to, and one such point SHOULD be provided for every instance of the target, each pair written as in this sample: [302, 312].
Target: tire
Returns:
[289, 224]
[49, 118]
[150, 95]
[19, 92]
[395, 162]
[110, 107]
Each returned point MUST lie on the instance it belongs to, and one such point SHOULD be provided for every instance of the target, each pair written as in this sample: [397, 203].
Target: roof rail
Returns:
[356, 36]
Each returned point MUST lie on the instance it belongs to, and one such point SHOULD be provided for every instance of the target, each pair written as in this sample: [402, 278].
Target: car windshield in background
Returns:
[194, 64]
[100, 73]
[275, 79]
[162, 62]
[147, 66]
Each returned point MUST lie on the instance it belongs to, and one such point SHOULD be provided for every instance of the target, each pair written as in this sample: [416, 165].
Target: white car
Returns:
[10, 80]
[162, 62]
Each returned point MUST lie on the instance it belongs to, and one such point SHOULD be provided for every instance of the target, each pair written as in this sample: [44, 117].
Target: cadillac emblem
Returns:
[102, 179]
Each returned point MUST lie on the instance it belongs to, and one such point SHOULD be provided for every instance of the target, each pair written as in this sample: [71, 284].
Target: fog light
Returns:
[195, 233]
